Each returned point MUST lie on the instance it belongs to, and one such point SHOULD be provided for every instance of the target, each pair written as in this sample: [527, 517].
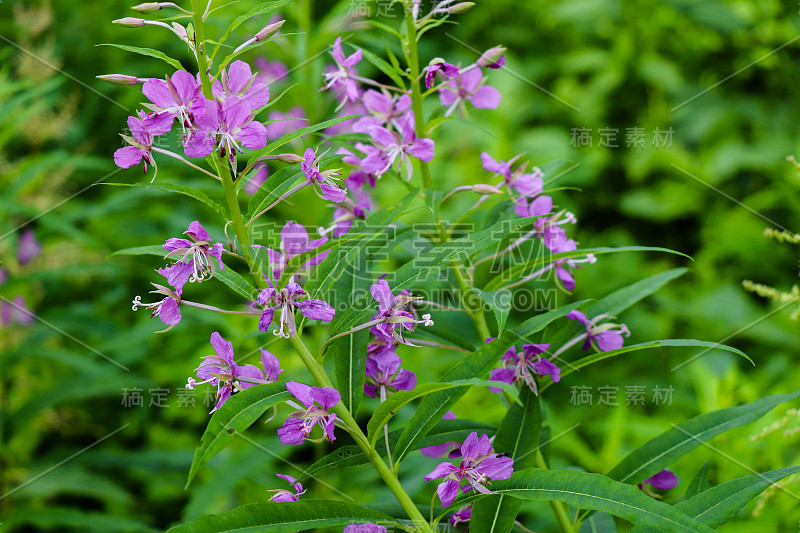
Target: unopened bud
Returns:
[483, 188]
[147, 7]
[119, 79]
[461, 7]
[291, 159]
[269, 31]
[492, 58]
[130, 22]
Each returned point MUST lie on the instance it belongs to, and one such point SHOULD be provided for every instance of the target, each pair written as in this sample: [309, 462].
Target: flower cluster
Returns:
[224, 123]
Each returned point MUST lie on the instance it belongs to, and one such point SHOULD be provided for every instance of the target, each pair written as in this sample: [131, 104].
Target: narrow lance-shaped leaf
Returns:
[719, 504]
[147, 52]
[235, 416]
[660, 452]
[596, 492]
[699, 483]
[387, 409]
[181, 189]
[574, 366]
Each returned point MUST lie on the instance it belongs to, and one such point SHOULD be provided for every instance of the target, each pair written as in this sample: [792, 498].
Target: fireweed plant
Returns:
[513, 235]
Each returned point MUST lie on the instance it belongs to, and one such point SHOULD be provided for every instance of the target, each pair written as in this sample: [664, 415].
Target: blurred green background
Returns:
[716, 78]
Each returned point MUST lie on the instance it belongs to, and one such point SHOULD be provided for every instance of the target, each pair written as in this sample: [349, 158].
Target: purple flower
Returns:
[3, 275]
[664, 480]
[342, 76]
[391, 147]
[325, 181]
[479, 465]
[284, 495]
[286, 300]
[349, 210]
[28, 247]
[224, 126]
[317, 402]
[539, 206]
[16, 311]
[221, 371]
[451, 449]
[605, 337]
[357, 177]
[439, 67]
[385, 111]
[368, 527]
[520, 367]
[294, 241]
[383, 372]
[282, 123]
[467, 87]
[167, 309]
[193, 257]
[393, 309]
[239, 81]
[178, 97]
[143, 129]
[463, 515]
[270, 72]
[257, 180]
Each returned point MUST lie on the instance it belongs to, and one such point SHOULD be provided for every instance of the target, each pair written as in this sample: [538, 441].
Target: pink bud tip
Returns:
[147, 7]
[491, 56]
[130, 22]
[291, 159]
[461, 7]
[119, 79]
[269, 31]
[483, 188]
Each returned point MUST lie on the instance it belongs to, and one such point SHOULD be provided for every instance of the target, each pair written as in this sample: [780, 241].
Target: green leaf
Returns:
[719, 504]
[289, 137]
[154, 249]
[617, 302]
[660, 452]
[237, 283]
[182, 189]
[275, 186]
[596, 492]
[517, 436]
[477, 364]
[500, 304]
[235, 416]
[327, 272]
[386, 410]
[285, 517]
[147, 52]
[384, 67]
[522, 269]
[299, 260]
[351, 455]
[600, 356]
[699, 482]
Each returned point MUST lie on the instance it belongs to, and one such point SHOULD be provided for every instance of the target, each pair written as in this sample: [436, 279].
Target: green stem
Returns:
[558, 507]
[200, 46]
[344, 414]
[416, 94]
[478, 317]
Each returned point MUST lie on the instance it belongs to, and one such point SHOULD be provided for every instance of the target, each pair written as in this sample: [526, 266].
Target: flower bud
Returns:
[461, 7]
[130, 22]
[291, 159]
[269, 31]
[483, 188]
[492, 58]
[147, 7]
[119, 79]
